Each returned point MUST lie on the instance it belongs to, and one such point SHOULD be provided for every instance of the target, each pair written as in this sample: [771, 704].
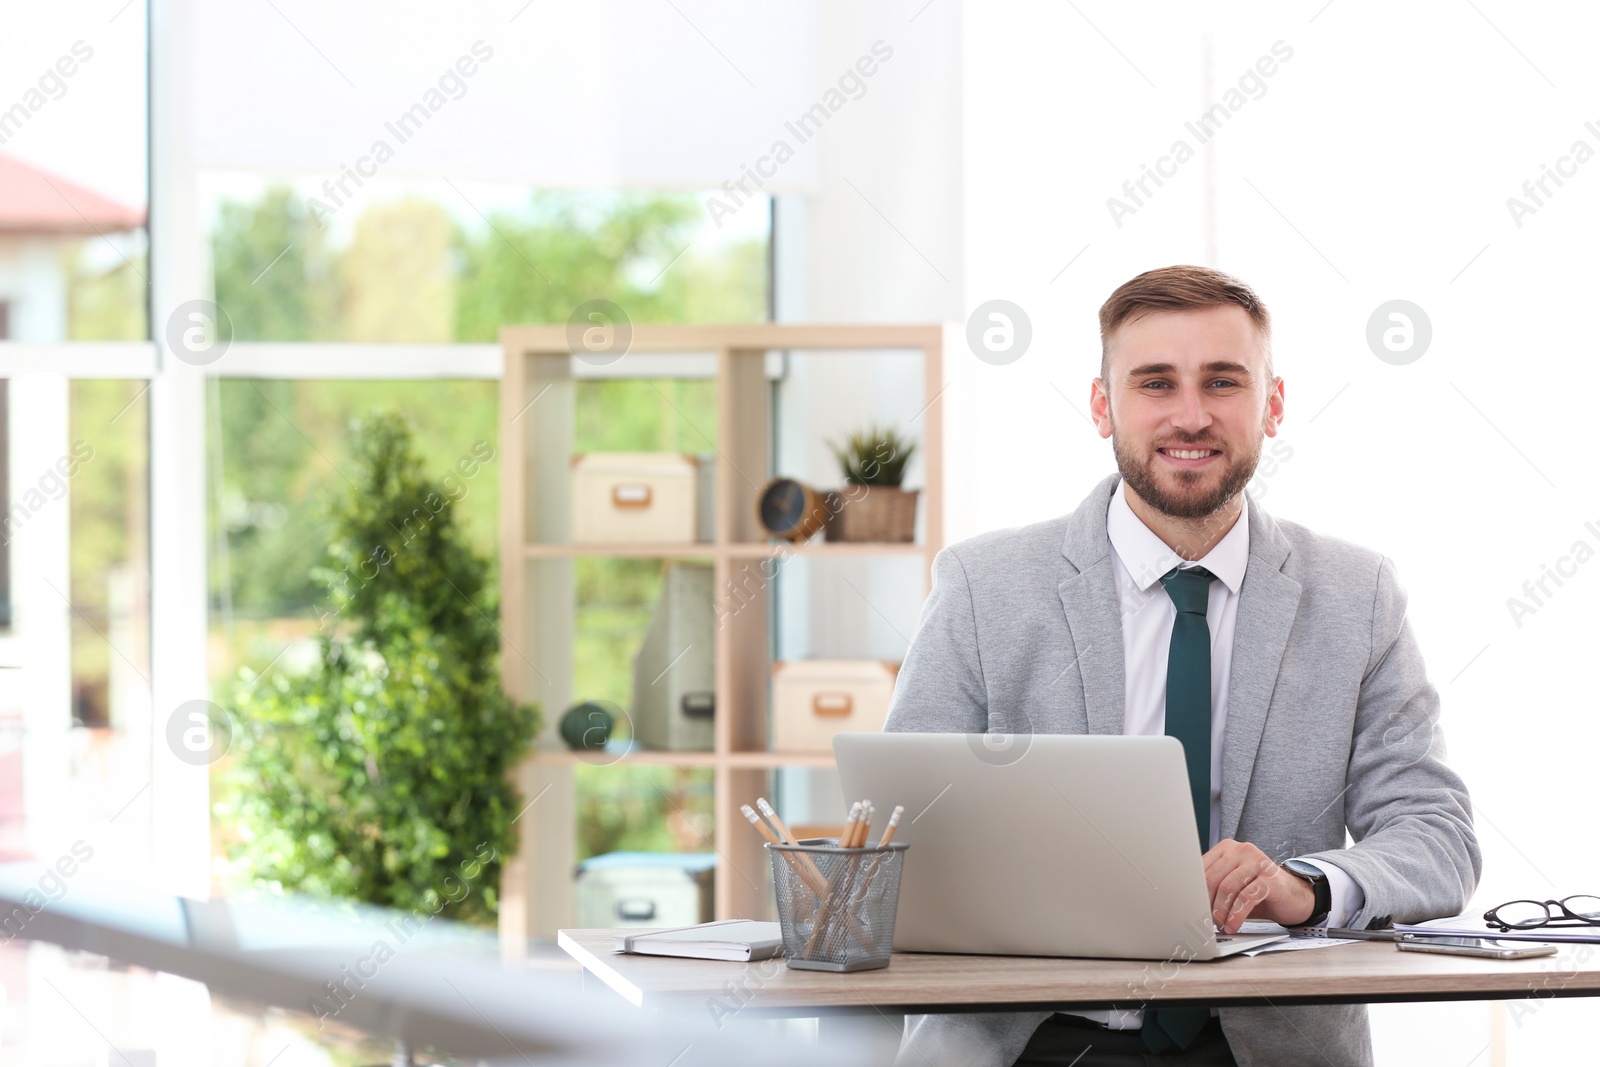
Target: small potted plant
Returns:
[872, 506]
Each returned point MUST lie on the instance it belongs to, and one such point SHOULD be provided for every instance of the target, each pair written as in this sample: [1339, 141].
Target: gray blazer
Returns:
[1332, 726]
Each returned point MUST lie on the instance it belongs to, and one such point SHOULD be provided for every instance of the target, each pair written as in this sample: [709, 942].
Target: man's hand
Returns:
[1244, 883]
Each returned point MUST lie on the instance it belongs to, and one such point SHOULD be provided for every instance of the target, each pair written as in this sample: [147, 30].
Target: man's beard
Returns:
[1142, 477]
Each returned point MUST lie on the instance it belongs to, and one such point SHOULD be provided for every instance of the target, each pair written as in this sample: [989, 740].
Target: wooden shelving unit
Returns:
[536, 574]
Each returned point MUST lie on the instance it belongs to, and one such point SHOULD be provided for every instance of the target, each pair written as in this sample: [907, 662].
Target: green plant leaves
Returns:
[874, 457]
[383, 772]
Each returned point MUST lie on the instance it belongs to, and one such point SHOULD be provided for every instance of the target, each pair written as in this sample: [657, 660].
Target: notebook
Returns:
[1470, 926]
[730, 939]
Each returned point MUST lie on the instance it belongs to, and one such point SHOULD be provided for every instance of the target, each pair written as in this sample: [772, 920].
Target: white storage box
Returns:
[674, 675]
[813, 699]
[645, 889]
[634, 497]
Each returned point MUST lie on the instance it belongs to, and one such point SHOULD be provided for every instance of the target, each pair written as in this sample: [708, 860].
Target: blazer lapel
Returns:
[1268, 603]
[1090, 601]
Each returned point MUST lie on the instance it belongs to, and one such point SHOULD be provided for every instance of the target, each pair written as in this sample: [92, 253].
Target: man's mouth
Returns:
[1189, 455]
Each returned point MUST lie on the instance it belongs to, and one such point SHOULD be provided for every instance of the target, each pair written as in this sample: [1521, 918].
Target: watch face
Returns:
[783, 505]
[1303, 869]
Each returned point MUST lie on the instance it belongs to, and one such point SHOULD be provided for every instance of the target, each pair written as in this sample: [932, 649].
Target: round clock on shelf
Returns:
[790, 509]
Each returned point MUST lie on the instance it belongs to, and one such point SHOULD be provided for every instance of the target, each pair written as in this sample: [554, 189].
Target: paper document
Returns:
[1296, 941]
[1295, 944]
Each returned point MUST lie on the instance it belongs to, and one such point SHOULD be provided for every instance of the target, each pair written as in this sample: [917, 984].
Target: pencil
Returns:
[755, 820]
[847, 835]
[805, 867]
[894, 821]
[847, 885]
[801, 864]
[817, 881]
[866, 825]
[822, 931]
[777, 823]
[862, 824]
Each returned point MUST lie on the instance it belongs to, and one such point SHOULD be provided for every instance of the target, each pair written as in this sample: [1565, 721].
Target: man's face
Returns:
[1186, 401]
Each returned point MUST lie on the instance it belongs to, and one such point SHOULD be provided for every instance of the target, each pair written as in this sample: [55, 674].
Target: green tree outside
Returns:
[272, 271]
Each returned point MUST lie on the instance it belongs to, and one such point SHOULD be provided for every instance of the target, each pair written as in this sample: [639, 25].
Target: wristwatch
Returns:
[1320, 889]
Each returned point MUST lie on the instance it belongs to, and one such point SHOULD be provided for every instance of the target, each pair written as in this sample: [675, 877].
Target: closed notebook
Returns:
[1470, 926]
[730, 939]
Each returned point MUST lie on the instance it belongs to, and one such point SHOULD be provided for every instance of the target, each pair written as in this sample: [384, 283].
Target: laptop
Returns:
[1042, 845]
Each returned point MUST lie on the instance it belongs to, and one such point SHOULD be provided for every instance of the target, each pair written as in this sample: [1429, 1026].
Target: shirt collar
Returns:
[1146, 557]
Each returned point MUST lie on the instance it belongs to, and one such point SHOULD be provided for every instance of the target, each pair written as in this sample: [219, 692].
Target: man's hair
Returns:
[1179, 288]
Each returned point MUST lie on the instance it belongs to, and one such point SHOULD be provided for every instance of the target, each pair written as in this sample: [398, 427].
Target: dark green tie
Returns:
[1189, 686]
[1189, 720]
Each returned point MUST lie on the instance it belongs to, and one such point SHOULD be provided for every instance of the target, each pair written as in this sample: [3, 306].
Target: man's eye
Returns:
[1224, 383]
[1155, 385]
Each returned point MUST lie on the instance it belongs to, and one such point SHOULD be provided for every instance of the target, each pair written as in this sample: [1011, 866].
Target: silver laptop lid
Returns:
[1039, 845]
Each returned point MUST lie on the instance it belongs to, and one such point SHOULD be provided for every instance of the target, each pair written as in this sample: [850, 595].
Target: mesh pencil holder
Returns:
[836, 905]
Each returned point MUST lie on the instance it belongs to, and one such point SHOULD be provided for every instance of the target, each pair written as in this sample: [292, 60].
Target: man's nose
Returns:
[1191, 415]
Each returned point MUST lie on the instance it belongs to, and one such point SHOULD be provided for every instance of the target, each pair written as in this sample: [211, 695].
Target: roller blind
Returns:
[642, 93]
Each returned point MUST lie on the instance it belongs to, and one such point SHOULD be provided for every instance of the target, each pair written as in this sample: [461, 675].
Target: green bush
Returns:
[382, 773]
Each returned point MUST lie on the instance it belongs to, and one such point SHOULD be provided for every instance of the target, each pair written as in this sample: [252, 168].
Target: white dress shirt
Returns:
[1139, 559]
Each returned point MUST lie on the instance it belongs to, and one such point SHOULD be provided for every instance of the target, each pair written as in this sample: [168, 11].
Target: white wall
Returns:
[1376, 166]
[879, 240]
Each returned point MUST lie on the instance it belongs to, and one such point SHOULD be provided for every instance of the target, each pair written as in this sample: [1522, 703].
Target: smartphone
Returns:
[1486, 947]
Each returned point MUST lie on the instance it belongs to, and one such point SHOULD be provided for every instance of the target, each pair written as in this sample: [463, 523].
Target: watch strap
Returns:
[1322, 891]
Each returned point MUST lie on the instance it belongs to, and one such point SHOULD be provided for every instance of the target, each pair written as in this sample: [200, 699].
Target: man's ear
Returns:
[1273, 418]
[1100, 406]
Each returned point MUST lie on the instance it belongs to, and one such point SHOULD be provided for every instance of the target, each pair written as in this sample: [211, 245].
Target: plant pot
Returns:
[872, 513]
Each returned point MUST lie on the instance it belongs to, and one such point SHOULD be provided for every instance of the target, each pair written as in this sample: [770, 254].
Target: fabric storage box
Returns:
[813, 699]
[632, 497]
[645, 889]
[674, 672]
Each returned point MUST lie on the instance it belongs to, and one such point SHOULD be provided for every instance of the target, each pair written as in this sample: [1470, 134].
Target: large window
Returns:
[407, 270]
[121, 463]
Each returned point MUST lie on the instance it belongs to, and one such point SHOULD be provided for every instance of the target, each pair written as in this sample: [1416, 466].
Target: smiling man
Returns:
[1280, 659]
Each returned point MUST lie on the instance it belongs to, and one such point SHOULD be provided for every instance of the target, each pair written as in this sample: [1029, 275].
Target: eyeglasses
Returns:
[1531, 914]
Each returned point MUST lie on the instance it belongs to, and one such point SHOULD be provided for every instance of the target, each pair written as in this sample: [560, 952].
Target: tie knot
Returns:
[1189, 589]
